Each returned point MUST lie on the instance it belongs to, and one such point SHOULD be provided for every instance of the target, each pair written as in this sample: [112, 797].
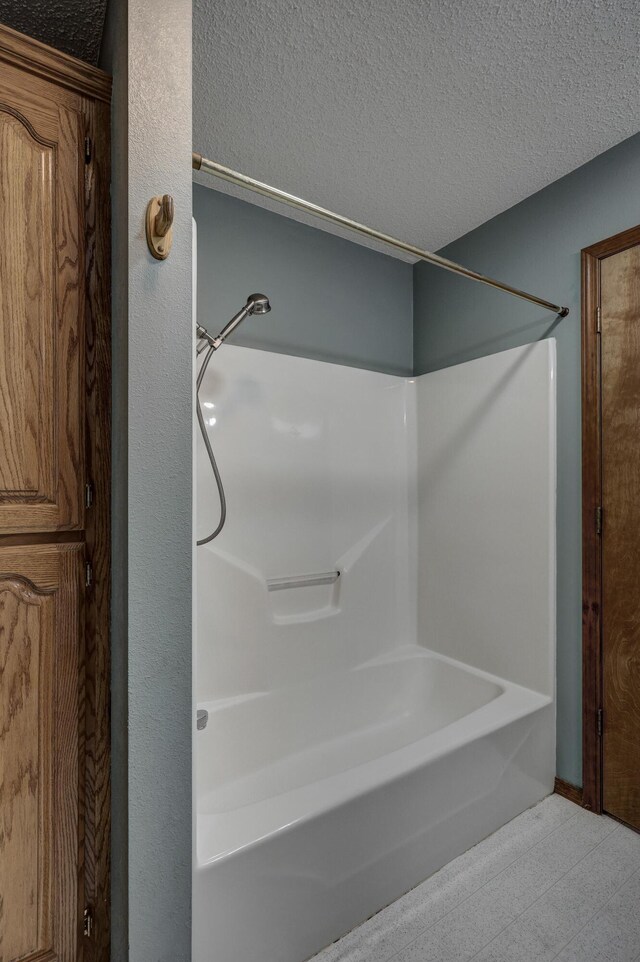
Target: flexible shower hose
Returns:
[212, 459]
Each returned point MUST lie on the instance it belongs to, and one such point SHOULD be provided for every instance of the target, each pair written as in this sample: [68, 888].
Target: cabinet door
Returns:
[39, 752]
[41, 307]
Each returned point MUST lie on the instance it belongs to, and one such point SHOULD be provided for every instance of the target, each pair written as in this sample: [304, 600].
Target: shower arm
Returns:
[198, 162]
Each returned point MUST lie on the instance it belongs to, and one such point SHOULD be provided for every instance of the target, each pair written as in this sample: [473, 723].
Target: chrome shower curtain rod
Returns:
[241, 180]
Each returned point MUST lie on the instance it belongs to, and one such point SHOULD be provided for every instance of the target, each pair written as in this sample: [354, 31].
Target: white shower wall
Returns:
[343, 762]
[486, 442]
[433, 496]
[316, 461]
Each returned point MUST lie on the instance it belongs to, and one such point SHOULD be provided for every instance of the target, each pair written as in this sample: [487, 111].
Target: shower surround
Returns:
[365, 731]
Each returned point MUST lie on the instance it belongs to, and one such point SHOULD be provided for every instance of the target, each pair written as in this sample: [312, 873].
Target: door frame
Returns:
[592, 651]
[95, 907]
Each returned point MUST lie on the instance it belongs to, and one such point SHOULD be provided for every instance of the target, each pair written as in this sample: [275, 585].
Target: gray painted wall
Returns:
[331, 299]
[536, 246]
[152, 538]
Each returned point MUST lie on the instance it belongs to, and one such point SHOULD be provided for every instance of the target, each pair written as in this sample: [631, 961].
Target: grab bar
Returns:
[303, 581]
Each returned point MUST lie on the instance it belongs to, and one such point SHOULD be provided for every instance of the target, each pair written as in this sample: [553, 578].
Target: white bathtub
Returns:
[339, 769]
[320, 803]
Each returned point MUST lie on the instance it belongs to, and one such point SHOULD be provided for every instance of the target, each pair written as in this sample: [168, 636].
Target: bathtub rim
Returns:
[278, 813]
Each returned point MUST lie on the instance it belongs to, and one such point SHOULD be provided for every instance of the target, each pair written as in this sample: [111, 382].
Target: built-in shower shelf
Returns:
[303, 581]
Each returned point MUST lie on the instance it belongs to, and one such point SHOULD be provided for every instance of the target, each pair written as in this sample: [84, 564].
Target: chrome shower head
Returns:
[256, 304]
[259, 304]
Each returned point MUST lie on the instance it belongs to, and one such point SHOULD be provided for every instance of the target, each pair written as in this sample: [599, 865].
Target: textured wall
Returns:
[332, 299]
[73, 26]
[421, 119]
[152, 539]
[536, 245]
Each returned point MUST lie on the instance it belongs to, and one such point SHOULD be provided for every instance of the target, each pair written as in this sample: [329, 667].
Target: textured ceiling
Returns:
[423, 119]
[73, 26]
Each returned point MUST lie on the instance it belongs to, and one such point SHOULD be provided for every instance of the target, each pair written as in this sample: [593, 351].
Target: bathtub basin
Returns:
[320, 803]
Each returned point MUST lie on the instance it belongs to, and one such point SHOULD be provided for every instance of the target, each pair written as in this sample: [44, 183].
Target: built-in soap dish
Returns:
[317, 600]
[303, 581]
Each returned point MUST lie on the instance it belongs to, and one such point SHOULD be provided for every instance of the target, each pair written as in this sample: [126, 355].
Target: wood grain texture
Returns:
[27, 310]
[50, 537]
[35, 101]
[40, 615]
[41, 313]
[592, 681]
[55, 428]
[572, 792]
[38, 59]
[97, 796]
[591, 542]
[620, 306]
[70, 304]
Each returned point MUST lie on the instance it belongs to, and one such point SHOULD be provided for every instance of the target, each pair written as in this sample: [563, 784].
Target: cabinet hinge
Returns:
[87, 922]
[87, 150]
[88, 494]
[599, 520]
[598, 320]
[599, 722]
[88, 574]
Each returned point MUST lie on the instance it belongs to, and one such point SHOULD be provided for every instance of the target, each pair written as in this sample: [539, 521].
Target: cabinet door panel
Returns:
[41, 307]
[39, 752]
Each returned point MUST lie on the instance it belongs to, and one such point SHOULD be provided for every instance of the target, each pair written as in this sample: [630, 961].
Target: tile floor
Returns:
[555, 883]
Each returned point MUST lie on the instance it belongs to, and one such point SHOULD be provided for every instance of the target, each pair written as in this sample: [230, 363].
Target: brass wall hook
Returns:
[159, 225]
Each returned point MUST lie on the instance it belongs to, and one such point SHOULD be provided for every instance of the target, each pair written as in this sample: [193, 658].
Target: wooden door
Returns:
[41, 308]
[54, 506]
[620, 364]
[40, 658]
[611, 526]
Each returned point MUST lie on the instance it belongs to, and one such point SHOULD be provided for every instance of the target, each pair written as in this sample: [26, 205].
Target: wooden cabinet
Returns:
[54, 505]
[40, 659]
[41, 307]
